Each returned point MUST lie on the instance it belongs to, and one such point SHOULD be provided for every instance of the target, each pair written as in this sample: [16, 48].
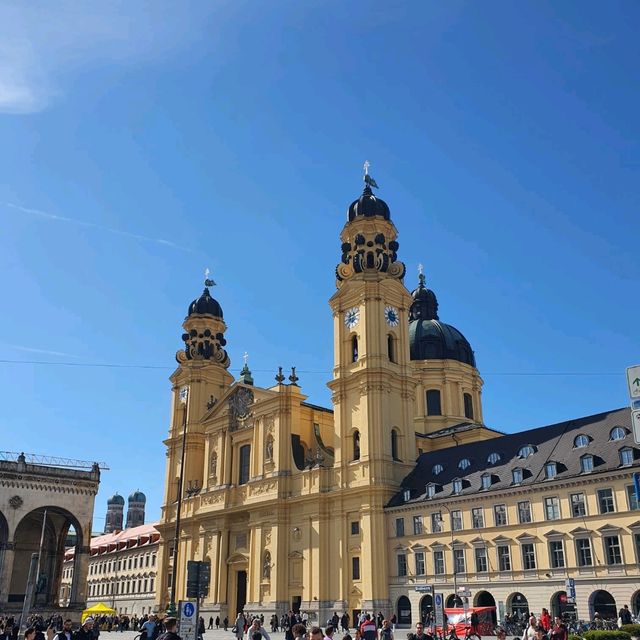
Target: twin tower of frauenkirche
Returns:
[275, 487]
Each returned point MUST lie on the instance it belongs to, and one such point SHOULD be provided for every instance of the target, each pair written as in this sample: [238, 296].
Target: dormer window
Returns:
[618, 433]
[493, 458]
[465, 463]
[526, 451]
[550, 470]
[431, 490]
[626, 456]
[407, 495]
[437, 469]
[457, 486]
[581, 441]
[517, 476]
[586, 464]
[485, 481]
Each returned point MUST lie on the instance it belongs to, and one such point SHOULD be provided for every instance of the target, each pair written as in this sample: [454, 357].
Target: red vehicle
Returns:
[459, 622]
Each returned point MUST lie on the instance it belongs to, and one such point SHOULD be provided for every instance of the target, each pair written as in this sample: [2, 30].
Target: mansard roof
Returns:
[543, 445]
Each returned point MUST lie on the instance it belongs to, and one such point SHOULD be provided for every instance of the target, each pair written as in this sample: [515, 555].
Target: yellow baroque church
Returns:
[297, 506]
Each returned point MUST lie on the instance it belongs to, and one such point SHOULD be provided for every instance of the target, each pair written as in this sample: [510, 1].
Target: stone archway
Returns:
[559, 603]
[603, 602]
[426, 607]
[485, 599]
[44, 529]
[635, 603]
[518, 605]
[4, 539]
[403, 610]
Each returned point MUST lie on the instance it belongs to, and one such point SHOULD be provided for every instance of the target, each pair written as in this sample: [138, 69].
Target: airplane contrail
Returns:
[93, 225]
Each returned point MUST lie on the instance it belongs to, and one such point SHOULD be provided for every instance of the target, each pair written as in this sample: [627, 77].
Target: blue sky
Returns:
[143, 142]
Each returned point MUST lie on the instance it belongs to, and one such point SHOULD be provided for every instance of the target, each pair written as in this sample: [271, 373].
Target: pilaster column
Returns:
[78, 593]
[6, 569]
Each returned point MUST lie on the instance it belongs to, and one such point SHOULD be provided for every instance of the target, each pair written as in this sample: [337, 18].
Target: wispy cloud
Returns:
[41, 42]
[47, 352]
[93, 225]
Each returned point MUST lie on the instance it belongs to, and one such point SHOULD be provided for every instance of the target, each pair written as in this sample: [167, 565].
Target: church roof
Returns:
[529, 450]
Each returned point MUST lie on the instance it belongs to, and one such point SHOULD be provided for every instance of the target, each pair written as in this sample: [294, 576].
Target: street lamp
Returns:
[184, 399]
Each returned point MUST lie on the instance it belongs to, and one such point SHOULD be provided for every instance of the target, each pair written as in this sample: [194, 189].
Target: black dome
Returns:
[430, 339]
[205, 304]
[368, 205]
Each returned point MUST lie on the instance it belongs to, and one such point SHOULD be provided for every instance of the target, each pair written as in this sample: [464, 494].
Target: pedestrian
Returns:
[545, 620]
[238, 626]
[225, 623]
[386, 632]
[530, 630]
[170, 633]
[559, 630]
[201, 627]
[85, 631]
[625, 615]
[65, 633]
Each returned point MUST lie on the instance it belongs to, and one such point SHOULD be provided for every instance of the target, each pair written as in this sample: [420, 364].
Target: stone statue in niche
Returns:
[214, 464]
[268, 449]
[266, 566]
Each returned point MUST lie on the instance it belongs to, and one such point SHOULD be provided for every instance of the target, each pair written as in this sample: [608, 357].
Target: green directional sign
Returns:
[633, 380]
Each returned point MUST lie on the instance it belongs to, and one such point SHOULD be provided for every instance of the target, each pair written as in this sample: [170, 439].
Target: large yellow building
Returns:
[304, 507]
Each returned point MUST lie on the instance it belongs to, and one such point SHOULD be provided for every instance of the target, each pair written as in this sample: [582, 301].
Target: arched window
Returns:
[581, 441]
[465, 463]
[618, 433]
[526, 451]
[437, 469]
[394, 445]
[244, 458]
[493, 458]
[391, 348]
[434, 408]
[468, 406]
[356, 445]
[354, 349]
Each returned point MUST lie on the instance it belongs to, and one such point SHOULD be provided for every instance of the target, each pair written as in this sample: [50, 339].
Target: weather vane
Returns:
[368, 180]
[208, 282]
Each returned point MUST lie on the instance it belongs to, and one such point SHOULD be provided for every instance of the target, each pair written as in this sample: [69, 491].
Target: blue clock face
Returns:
[391, 316]
[351, 317]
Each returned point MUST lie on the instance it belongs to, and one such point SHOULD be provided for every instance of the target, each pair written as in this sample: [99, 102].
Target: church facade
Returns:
[297, 506]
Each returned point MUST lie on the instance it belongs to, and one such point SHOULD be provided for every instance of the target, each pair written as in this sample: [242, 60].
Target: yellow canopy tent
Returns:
[97, 610]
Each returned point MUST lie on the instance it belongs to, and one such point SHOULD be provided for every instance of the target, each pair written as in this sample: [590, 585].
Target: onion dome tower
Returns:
[135, 510]
[115, 508]
[449, 391]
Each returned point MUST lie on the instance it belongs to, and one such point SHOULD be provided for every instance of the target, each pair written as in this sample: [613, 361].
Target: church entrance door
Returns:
[241, 590]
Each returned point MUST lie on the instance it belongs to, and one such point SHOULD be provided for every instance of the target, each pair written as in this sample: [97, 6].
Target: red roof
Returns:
[125, 539]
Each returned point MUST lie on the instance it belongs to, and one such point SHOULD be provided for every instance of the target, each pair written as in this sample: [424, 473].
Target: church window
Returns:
[244, 457]
[391, 348]
[581, 441]
[465, 463]
[618, 433]
[355, 528]
[394, 445]
[434, 407]
[355, 568]
[356, 445]
[468, 406]
[437, 469]
[354, 349]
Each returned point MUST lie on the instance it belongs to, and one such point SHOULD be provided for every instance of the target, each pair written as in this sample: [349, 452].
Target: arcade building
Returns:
[399, 485]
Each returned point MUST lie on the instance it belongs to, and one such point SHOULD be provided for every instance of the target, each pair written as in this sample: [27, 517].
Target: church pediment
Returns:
[238, 558]
[295, 555]
[237, 404]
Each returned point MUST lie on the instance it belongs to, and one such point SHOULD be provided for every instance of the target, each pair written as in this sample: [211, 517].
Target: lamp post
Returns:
[184, 399]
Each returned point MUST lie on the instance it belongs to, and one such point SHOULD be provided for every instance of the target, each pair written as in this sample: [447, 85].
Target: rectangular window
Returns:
[458, 561]
[500, 515]
[420, 567]
[528, 556]
[612, 550]
[436, 522]
[556, 554]
[477, 517]
[146, 584]
[468, 406]
[438, 563]
[631, 498]
[552, 508]
[355, 528]
[244, 459]
[481, 559]
[583, 552]
[524, 512]
[153, 560]
[399, 527]
[417, 525]
[578, 505]
[146, 561]
[355, 568]
[605, 501]
[402, 564]
[434, 407]
[152, 585]
[626, 457]
[504, 558]
[135, 562]
[456, 520]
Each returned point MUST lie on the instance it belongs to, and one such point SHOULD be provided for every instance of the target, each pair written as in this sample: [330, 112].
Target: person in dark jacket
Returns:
[170, 625]
[85, 632]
